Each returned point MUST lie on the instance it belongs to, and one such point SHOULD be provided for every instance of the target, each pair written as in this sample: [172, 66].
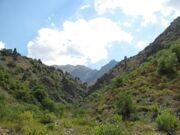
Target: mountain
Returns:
[170, 34]
[106, 68]
[139, 96]
[19, 71]
[86, 74]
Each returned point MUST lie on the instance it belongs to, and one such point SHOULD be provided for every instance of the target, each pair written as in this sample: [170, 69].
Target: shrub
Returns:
[108, 130]
[176, 50]
[33, 131]
[115, 119]
[26, 116]
[78, 113]
[117, 82]
[49, 104]
[23, 95]
[166, 122]
[39, 93]
[6, 52]
[155, 110]
[125, 106]
[48, 118]
[167, 63]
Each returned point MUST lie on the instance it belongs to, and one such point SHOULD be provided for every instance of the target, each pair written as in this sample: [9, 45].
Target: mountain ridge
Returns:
[169, 34]
[86, 74]
[138, 96]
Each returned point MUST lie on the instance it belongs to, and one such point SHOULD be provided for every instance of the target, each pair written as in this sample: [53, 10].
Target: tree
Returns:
[15, 54]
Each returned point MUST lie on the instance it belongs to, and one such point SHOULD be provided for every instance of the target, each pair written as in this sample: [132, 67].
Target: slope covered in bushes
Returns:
[141, 96]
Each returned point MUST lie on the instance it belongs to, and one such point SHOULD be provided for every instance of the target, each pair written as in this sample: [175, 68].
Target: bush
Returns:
[115, 119]
[125, 106]
[39, 93]
[6, 52]
[35, 131]
[48, 104]
[155, 109]
[176, 50]
[108, 130]
[48, 118]
[117, 82]
[79, 113]
[167, 63]
[166, 122]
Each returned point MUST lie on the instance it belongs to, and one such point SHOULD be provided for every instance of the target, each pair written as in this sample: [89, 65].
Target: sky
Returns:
[83, 32]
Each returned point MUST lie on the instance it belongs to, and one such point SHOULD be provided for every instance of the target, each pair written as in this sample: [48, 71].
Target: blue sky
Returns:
[87, 32]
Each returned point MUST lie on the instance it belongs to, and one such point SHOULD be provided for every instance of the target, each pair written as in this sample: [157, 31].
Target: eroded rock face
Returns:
[170, 34]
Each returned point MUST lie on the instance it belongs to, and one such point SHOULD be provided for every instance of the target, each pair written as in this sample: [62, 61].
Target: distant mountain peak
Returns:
[87, 74]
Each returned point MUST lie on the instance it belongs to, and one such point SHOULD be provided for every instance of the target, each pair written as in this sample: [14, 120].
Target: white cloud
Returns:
[79, 42]
[147, 9]
[141, 44]
[127, 24]
[164, 23]
[2, 45]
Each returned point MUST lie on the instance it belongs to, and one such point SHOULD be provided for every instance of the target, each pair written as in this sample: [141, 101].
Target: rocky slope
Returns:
[170, 34]
[141, 94]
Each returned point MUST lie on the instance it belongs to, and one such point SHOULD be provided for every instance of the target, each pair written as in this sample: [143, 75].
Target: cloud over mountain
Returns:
[79, 42]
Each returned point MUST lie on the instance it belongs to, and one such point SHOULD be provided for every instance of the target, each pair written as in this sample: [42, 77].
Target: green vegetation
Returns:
[117, 82]
[108, 130]
[125, 106]
[140, 95]
[38, 100]
[166, 122]
[176, 49]
[167, 63]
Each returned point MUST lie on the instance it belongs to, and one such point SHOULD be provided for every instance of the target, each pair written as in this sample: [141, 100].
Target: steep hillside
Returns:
[170, 34]
[145, 100]
[21, 72]
[33, 96]
[140, 96]
[86, 74]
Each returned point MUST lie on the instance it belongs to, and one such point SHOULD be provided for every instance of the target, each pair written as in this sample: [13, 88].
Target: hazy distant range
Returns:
[86, 74]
